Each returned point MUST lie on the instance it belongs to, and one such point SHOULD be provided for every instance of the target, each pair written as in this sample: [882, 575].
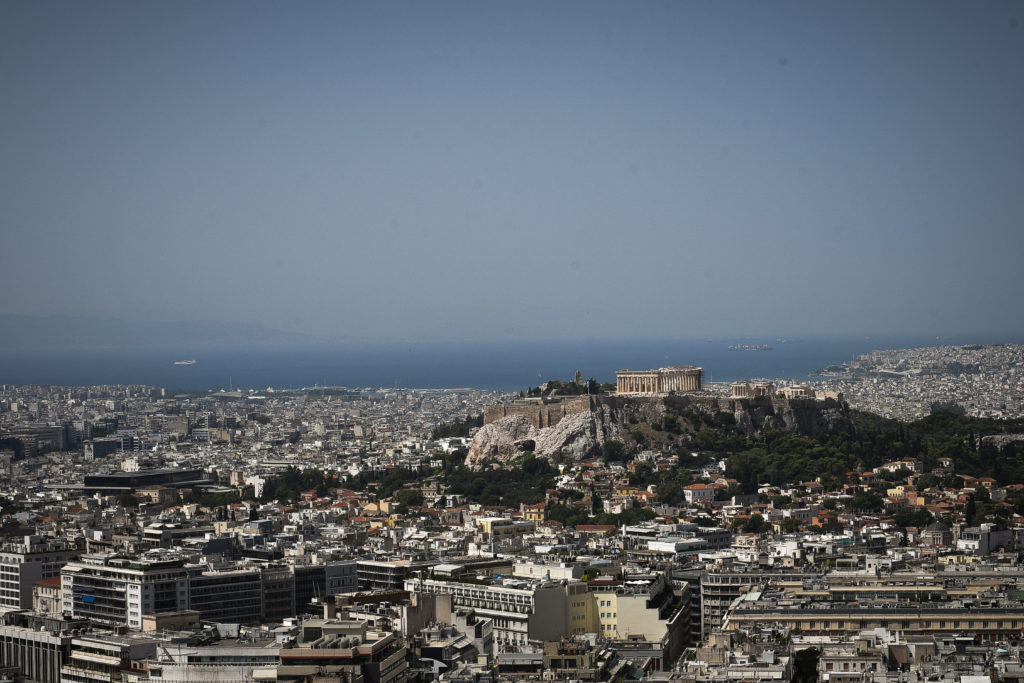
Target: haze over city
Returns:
[501, 342]
[443, 171]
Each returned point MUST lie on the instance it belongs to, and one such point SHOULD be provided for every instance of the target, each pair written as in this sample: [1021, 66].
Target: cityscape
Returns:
[598, 341]
[581, 530]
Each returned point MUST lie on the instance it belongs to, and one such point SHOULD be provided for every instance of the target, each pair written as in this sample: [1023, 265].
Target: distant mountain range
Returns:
[27, 333]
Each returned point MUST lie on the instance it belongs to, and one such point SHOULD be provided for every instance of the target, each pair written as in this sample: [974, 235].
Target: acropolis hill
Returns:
[575, 427]
[546, 412]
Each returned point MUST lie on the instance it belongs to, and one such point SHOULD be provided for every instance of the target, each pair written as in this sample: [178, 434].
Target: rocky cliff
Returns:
[581, 435]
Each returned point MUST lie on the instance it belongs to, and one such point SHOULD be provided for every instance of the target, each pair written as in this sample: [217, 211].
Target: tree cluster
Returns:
[457, 428]
[289, 485]
[554, 387]
[781, 457]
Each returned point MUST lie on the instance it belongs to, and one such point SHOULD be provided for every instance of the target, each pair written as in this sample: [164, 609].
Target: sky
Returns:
[514, 170]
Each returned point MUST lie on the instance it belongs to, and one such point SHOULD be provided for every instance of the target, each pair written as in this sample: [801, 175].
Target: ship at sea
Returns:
[184, 362]
[750, 347]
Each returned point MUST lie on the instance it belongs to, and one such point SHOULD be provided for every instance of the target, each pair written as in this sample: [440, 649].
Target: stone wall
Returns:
[543, 412]
[752, 414]
[574, 428]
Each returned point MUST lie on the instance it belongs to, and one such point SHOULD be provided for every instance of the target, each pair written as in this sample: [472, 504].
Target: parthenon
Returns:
[660, 381]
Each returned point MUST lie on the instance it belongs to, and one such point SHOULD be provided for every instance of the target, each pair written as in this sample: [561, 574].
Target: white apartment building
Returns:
[24, 563]
[520, 612]
[117, 591]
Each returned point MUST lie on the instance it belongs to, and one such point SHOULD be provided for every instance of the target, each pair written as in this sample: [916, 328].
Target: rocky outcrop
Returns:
[809, 416]
[1001, 440]
[574, 438]
[581, 435]
[502, 440]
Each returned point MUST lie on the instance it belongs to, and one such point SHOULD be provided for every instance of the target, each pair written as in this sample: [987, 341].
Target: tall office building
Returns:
[117, 591]
[23, 563]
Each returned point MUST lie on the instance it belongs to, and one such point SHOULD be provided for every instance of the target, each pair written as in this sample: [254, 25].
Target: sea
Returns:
[500, 366]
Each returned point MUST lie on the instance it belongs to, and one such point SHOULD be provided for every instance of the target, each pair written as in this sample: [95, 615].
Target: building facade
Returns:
[753, 390]
[233, 596]
[39, 655]
[117, 591]
[660, 381]
[535, 611]
[23, 564]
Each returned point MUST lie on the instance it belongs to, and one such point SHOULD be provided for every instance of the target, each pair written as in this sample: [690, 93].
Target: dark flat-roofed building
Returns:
[129, 481]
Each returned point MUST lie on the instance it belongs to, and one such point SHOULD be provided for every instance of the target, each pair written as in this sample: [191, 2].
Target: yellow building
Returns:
[501, 529]
[534, 513]
[621, 610]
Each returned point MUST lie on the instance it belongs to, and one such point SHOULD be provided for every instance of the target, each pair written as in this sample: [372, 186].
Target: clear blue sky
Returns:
[436, 170]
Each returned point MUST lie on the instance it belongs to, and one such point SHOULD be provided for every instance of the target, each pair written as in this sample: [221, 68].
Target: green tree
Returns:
[791, 525]
[755, 524]
[407, 497]
[127, 500]
[867, 502]
[643, 475]
[457, 428]
[612, 451]
[805, 665]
